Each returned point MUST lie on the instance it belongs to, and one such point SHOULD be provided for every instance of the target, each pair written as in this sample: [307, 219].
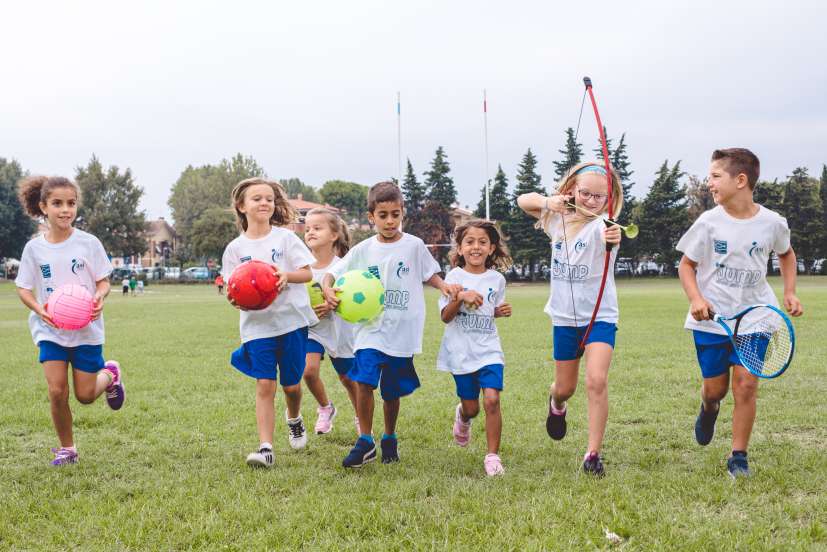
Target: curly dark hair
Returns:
[499, 258]
[35, 190]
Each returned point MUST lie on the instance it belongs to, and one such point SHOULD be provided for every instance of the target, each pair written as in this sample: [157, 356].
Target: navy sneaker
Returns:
[705, 426]
[555, 423]
[593, 465]
[737, 464]
[363, 451]
[390, 452]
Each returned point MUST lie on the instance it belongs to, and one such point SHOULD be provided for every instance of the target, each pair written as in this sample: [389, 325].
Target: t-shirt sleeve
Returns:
[427, 264]
[549, 221]
[781, 236]
[694, 241]
[299, 254]
[348, 262]
[450, 278]
[229, 261]
[500, 290]
[102, 266]
[27, 271]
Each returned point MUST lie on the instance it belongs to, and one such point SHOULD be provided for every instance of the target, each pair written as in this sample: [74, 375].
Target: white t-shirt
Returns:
[45, 266]
[335, 335]
[732, 257]
[125, 282]
[402, 266]
[578, 273]
[471, 340]
[291, 310]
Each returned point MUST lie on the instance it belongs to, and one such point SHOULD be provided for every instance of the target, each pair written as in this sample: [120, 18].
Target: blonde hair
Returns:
[565, 186]
[342, 243]
[283, 214]
[35, 190]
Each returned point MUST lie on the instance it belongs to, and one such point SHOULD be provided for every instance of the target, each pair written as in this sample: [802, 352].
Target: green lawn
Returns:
[167, 471]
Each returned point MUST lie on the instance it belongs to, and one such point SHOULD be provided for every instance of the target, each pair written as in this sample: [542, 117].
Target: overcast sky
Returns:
[309, 88]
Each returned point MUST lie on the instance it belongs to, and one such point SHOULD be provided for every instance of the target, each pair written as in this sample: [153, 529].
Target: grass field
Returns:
[167, 472]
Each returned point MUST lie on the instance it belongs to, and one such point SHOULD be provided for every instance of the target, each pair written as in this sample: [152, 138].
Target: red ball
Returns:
[253, 285]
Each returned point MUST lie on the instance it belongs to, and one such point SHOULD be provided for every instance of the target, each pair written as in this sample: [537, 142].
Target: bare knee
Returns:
[265, 389]
[745, 388]
[491, 403]
[293, 390]
[714, 391]
[84, 397]
[58, 394]
[470, 408]
[596, 385]
[564, 391]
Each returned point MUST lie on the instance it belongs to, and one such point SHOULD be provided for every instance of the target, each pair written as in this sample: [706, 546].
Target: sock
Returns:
[739, 453]
[367, 437]
[556, 408]
[265, 446]
[71, 449]
[294, 420]
[386, 436]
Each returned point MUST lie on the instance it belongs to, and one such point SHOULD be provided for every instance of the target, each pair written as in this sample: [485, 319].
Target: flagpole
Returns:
[487, 173]
[399, 136]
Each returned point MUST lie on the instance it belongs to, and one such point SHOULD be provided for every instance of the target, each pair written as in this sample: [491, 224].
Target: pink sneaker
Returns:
[493, 465]
[324, 422]
[462, 430]
[115, 393]
[64, 456]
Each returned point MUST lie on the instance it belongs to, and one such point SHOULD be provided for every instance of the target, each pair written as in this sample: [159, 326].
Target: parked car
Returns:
[648, 268]
[196, 273]
[819, 267]
[624, 267]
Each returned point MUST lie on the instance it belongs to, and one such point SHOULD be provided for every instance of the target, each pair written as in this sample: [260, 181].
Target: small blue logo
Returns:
[757, 249]
[401, 269]
[490, 295]
[579, 246]
[77, 265]
[46, 271]
[375, 271]
[245, 259]
[558, 245]
[720, 247]
[277, 255]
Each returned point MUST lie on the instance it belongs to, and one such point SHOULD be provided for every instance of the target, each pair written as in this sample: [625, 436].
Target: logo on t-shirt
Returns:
[757, 249]
[277, 255]
[375, 271]
[558, 245]
[245, 259]
[737, 277]
[396, 299]
[579, 246]
[46, 271]
[568, 272]
[491, 295]
[720, 247]
[402, 270]
[77, 265]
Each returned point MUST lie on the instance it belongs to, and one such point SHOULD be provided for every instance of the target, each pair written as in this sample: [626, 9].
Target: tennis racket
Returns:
[763, 338]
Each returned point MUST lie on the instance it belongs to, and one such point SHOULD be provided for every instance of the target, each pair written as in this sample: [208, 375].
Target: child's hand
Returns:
[793, 305]
[282, 279]
[700, 309]
[503, 310]
[41, 312]
[471, 298]
[97, 305]
[611, 234]
[233, 303]
[322, 310]
[557, 203]
[451, 290]
[331, 298]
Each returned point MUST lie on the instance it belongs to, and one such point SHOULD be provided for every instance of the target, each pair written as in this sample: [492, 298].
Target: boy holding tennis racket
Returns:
[724, 271]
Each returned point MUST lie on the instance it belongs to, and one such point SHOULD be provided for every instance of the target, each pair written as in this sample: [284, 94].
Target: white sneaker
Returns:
[296, 432]
[262, 458]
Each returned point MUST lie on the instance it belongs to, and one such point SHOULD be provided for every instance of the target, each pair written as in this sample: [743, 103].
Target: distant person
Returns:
[734, 238]
[471, 349]
[140, 287]
[219, 284]
[65, 255]
[274, 339]
[579, 249]
[125, 285]
[133, 283]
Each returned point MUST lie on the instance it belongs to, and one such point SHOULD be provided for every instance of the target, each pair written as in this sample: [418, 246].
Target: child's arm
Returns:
[300, 276]
[102, 288]
[449, 311]
[787, 263]
[448, 290]
[534, 203]
[28, 299]
[698, 306]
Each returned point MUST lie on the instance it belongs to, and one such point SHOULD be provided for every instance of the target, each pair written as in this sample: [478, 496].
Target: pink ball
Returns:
[70, 307]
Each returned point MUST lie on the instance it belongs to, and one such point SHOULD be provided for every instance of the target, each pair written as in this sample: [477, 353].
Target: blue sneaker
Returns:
[737, 465]
[705, 426]
[363, 451]
[390, 452]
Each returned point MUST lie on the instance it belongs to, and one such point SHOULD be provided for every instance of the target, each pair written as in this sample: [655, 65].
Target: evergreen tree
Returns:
[572, 154]
[803, 209]
[822, 192]
[770, 195]
[15, 225]
[434, 225]
[698, 198]
[527, 244]
[663, 217]
[440, 186]
[413, 191]
[109, 208]
[620, 161]
[499, 204]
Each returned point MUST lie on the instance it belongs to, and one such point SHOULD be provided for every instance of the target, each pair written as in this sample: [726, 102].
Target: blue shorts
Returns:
[716, 353]
[341, 365]
[567, 338]
[395, 376]
[487, 377]
[86, 358]
[264, 358]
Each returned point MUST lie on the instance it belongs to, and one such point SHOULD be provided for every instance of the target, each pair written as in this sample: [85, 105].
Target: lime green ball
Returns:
[314, 290]
[361, 296]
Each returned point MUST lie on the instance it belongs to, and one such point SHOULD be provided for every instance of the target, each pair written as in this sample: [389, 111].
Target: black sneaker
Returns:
[737, 465]
[363, 451]
[705, 426]
[593, 465]
[390, 452]
[262, 458]
[555, 423]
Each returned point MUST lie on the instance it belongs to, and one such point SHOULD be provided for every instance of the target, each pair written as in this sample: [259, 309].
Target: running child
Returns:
[578, 249]
[274, 339]
[328, 238]
[471, 348]
[65, 255]
[385, 347]
[724, 270]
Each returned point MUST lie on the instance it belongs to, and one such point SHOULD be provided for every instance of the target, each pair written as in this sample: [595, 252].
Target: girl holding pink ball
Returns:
[64, 279]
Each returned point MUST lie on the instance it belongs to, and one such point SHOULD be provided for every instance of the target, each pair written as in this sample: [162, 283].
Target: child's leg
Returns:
[391, 411]
[598, 359]
[713, 391]
[265, 409]
[350, 387]
[565, 381]
[470, 409]
[89, 386]
[57, 381]
[364, 407]
[313, 381]
[493, 419]
[745, 393]
[293, 398]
